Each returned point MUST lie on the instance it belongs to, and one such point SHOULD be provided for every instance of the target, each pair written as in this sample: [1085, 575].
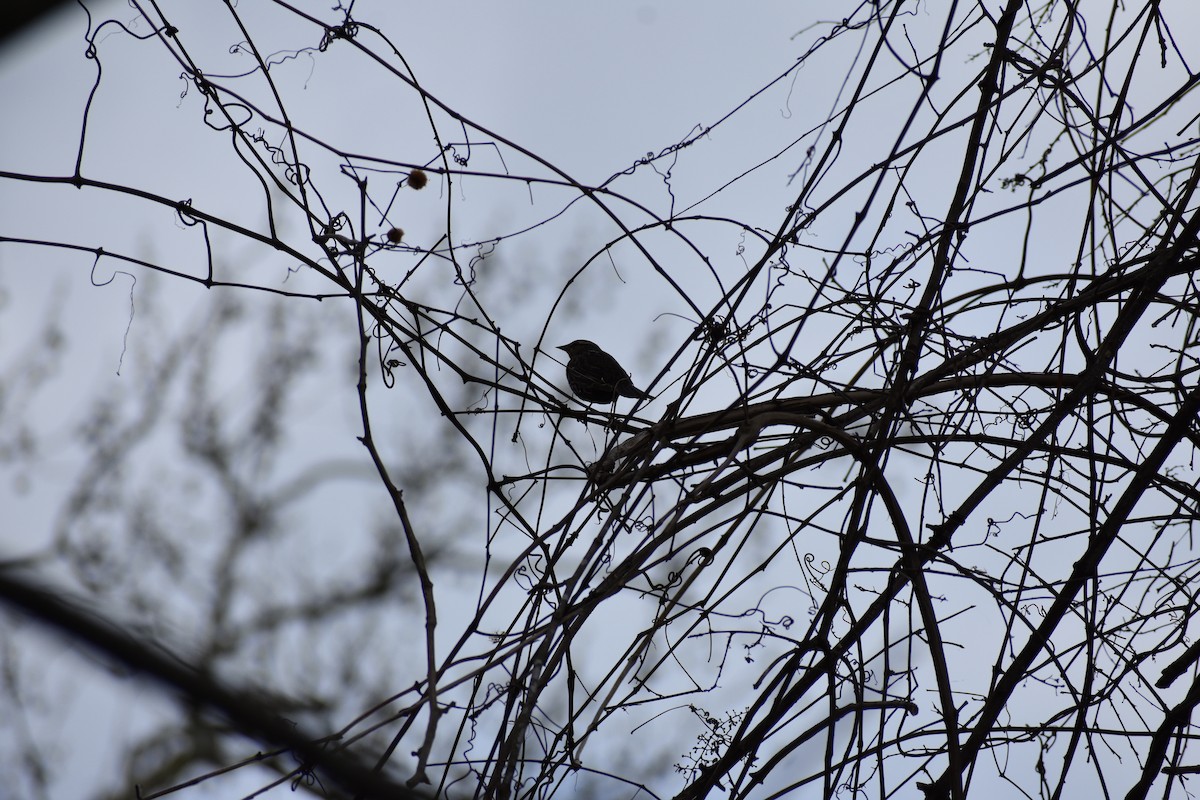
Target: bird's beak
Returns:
[560, 347]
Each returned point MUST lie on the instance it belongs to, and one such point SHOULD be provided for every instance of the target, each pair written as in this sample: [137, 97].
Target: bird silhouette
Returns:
[594, 376]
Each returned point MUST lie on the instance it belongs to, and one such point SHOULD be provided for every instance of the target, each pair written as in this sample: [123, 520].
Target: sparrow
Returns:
[594, 376]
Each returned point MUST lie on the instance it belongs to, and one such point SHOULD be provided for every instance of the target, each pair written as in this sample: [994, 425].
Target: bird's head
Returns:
[578, 346]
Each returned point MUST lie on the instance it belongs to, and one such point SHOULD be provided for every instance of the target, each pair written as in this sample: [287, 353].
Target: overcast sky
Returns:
[587, 89]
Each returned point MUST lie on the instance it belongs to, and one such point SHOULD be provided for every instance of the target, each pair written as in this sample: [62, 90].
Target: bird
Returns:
[594, 376]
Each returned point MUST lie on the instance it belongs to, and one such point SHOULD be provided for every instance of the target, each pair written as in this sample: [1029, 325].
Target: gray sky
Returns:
[590, 90]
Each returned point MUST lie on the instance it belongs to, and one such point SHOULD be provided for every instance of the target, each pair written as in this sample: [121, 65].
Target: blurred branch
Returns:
[17, 16]
[242, 708]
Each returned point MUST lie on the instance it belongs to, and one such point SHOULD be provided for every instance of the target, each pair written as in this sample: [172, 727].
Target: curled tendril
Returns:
[347, 30]
[183, 210]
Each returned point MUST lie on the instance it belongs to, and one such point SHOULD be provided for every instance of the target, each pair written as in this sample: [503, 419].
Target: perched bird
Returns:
[594, 376]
